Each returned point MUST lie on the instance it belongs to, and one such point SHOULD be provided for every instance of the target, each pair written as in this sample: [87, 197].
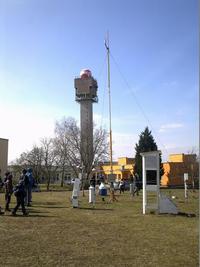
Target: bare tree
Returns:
[69, 147]
[33, 159]
[64, 152]
[101, 146]
[49, 159]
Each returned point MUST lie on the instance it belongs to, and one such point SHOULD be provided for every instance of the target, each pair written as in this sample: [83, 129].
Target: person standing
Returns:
[132, 185]
[1, 185]
[30, 186]
[19, 192]
[121, 186]
[112, 193]
[137, 184]
[8, 190]
[24, 177]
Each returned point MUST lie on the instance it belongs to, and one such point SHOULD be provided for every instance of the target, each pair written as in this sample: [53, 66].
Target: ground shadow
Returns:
[37, 211]
[30, 216]
[51, 207]
[42, 216]
[51, 203]
[185, 214]
[85, 208]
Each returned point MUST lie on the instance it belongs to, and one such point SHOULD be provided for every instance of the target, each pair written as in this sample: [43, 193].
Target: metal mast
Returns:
[109, 94]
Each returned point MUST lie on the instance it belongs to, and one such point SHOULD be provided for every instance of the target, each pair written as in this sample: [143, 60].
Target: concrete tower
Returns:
[86, 94]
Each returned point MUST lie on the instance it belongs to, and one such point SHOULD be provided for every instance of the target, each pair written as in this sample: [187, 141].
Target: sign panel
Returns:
[151, 162]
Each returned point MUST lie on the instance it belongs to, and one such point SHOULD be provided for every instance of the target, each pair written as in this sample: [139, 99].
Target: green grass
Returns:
[114, 234]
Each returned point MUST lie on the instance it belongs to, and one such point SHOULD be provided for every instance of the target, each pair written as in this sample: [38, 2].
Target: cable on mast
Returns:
[137, 102]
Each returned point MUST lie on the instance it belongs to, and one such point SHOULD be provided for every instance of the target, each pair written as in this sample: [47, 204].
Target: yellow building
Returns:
[3, 156]
[122, 168]
[174, 169]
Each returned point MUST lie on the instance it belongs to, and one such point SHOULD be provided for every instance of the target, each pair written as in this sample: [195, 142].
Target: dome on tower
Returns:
[85, 73]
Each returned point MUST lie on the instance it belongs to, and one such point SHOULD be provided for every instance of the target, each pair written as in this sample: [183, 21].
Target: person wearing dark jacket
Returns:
[19, 192]
[29, 187]
[1, 185]
[137, 184]
[24, 177]
[8, 189]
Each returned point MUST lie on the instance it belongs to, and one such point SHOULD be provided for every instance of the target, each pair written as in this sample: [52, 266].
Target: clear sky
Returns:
[154, 69]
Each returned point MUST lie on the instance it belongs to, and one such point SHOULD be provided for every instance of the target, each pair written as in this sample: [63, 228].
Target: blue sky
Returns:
[154, 69]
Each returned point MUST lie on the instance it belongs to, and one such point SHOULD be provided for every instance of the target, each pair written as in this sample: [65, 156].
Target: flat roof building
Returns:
[3, 155]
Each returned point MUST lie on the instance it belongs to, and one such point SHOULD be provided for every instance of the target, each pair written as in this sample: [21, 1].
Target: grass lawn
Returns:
[114, 234]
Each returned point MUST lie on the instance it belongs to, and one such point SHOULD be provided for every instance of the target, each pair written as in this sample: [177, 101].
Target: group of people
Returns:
[22, 191]
[135, 186]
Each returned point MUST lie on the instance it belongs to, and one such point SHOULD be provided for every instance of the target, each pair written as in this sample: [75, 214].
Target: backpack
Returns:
[16, 191]
[26, 179]
[19, 190]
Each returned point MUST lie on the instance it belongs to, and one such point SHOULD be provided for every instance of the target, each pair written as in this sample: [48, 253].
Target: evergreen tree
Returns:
[146, 143]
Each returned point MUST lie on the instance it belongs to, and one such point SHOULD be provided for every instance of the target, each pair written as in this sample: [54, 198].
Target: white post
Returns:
[144, 184]
[151, 161]
[185, 184]
[158, 181]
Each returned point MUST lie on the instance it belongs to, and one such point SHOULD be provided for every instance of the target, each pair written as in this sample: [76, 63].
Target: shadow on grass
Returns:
[185, 214]
[93, 208]
[31, 216]
[51, 207]
[37, 211]
[41, 216]
[51, 203]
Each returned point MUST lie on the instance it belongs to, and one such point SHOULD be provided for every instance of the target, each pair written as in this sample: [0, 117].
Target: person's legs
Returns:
[23, 206]
[6, 201]
[17, 206]
[29, 195]
[26, 197]
[137, 191]
[8, 198]
[1, 212]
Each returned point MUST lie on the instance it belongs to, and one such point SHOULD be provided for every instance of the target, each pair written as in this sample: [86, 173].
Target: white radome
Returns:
[85, 73]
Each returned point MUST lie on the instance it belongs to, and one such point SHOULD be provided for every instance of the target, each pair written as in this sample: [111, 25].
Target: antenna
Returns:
[109, 94]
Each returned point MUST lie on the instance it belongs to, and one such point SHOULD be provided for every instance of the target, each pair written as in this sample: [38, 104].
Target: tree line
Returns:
[63, 152]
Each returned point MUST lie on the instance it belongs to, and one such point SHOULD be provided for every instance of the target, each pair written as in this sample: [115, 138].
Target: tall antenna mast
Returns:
[109, 94]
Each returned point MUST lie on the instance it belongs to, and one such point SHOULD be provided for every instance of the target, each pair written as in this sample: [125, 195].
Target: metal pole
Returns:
[109, 94]
[158, 181]
[144, 185]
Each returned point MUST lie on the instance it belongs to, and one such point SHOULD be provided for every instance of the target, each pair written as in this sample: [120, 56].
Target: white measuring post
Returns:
[75, 192]
[185, 184]
[150, 161]
[143, 185]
